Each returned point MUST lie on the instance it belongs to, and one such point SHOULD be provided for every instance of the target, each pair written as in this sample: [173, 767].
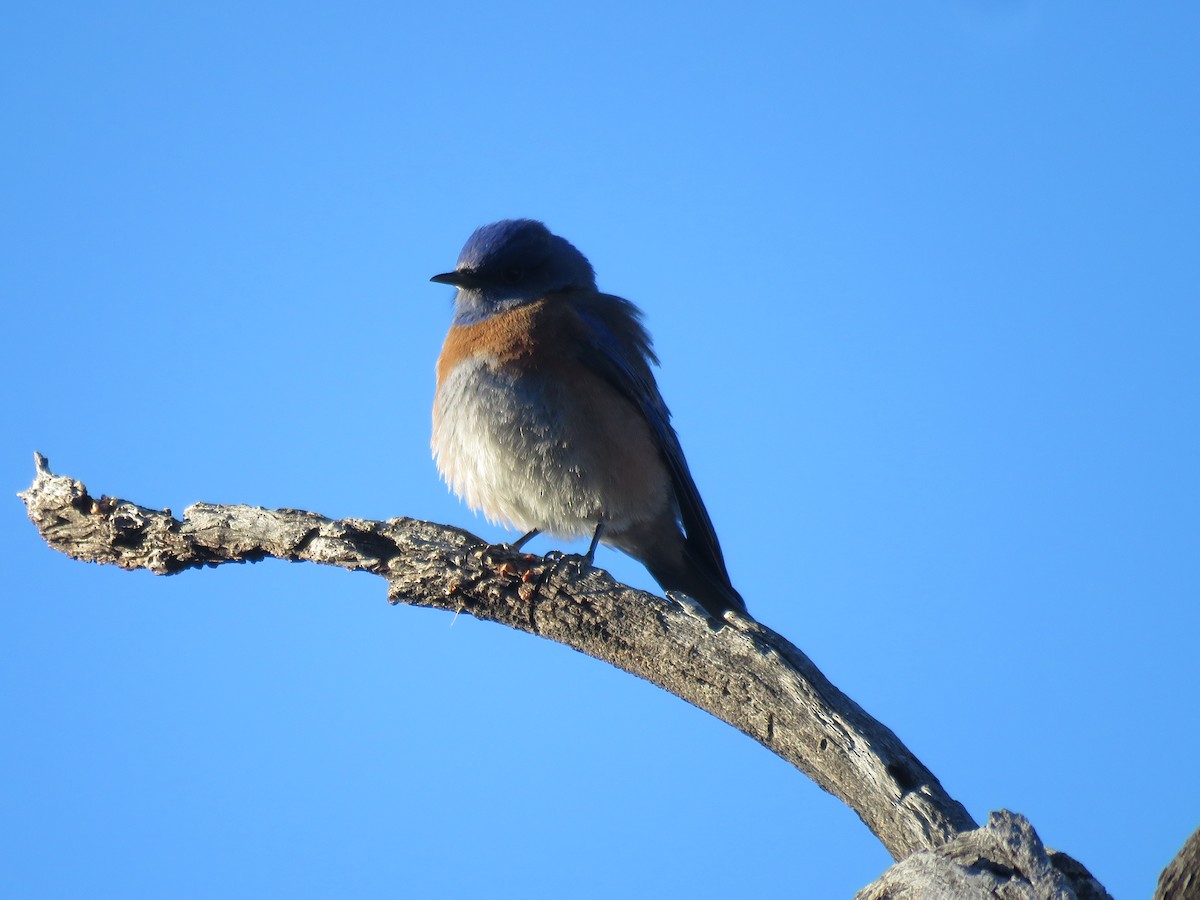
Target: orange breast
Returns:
[504, 339]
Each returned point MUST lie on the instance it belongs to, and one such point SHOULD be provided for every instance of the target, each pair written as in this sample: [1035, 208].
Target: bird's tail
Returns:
[679, 562]
[695, 575]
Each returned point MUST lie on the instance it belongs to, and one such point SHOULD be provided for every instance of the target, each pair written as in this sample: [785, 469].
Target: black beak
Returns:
[458, 278]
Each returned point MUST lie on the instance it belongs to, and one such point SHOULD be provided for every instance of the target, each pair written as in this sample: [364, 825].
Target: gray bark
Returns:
[1004, 859]
[744, 674]
[1181, 879]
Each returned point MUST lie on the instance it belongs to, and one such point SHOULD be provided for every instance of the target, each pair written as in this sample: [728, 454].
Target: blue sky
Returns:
[923, 278]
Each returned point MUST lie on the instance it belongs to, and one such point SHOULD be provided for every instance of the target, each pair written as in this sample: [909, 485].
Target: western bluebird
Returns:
[547, 416]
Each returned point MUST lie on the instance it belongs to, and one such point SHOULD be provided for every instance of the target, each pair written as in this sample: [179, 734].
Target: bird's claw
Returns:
[557, 560]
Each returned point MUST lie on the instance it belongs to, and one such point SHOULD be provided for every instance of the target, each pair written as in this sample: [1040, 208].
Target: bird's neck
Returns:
[472, 306]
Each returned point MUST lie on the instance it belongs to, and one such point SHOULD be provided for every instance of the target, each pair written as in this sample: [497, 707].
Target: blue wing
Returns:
[623, 359]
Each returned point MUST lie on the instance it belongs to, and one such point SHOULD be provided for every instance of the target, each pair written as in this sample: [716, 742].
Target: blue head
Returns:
[511, 262]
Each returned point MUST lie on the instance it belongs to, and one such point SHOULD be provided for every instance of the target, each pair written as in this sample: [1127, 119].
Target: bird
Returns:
[547, 416]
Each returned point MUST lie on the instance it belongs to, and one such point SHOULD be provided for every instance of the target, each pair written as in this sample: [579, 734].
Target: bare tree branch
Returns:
[744, 674]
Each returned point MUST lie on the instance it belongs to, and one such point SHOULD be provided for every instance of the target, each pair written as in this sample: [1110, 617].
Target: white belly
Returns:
[501, 450]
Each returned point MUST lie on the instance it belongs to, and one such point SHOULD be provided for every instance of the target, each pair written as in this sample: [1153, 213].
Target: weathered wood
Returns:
[745, 674]
[1181, 879]
[1005, 859]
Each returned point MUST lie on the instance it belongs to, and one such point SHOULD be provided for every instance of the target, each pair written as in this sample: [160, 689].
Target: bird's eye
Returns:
[513, 275]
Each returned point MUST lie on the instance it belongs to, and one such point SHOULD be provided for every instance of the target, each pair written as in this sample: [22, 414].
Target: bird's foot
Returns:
[520, 542]
[558, 559]
[508, 558]
[555, 561]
